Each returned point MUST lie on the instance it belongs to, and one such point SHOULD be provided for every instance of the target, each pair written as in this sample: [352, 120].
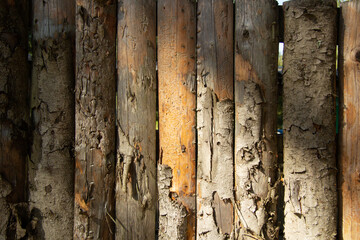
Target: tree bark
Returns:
[136, 192]
[215, 120]
[51, 169]
[95, 119]
[14, 117]
[349, 62]
[309, 120]
[256, 52]
[177, 103]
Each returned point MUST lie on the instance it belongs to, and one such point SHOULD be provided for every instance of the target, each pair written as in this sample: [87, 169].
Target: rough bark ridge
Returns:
[14, 117]
[136, 193]
[51, 169]
[256, 44]
[177, 103]
[349, 69]
[95, 119]
[215, 120]
[309, 120]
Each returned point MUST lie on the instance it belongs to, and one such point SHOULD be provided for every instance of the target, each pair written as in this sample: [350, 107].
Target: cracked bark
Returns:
[51, 169]
[14, 117]
[95, 119]
[177, 87]
[256, 44]
[309, 120]
[136, 193]
[349, 62]
[215, 124]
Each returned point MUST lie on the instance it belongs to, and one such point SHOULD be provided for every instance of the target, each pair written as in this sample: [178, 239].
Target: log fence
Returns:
[145, 119]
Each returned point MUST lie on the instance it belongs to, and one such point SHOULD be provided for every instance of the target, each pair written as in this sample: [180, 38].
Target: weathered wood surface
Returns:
[136, 191]
[349, 155]
[51, 169]
[14, 116]
[256, 44]
[309, 120]
[215, 120]
[95, 119]
[177, 103]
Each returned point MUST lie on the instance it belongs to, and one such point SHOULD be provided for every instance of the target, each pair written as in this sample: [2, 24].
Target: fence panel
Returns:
[95, 86]
[136, 192]
[309, 120]
[256, 48]
[349, 58]
[51, 169]
[14, 118]
[177, 99]
[215, 120]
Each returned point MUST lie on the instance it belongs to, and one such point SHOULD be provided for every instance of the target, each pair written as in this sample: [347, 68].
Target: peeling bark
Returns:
[14, 117]
[215, 120]
[95, 119]
[136, 193]
[349, 69]
[177, 103]
[256, 44]
[51, 169]
[309, 120]
[173, 214]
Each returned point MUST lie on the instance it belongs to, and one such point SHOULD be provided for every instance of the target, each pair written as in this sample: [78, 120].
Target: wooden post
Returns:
[14, 117]
[215, 120]
[256, 52]
[95, 119]
[309, 120]
[349, 157]
[136, 191]
[51, 169]
[177, 99]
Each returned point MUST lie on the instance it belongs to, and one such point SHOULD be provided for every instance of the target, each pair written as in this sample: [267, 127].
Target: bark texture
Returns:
[256, 52]
[136, 192]
[215, 120]
[51, 169]
[349, 156]
[309, 120]
[177, 103]
[95, 119]
[14, 117]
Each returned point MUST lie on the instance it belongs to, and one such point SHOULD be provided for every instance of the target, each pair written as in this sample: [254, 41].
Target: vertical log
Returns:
[309, 120]
[177, 87]
[256, 52]
[95, 119]
[136, 193]
[51, 169]
[349, 157]
[215, 120]
[14, 116]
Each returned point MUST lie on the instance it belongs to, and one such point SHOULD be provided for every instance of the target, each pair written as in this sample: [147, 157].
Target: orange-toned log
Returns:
[136, 192]
[349, 157]
[95, 119]
[215, 120]
[177, 86]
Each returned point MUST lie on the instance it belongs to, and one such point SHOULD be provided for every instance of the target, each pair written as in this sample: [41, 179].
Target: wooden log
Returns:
[309, 120]
[51, 169]
[136, 191]
[349, 158]
[14, 117]
[177, 103]
[215, 120]
[95, 119]
[256, 52]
